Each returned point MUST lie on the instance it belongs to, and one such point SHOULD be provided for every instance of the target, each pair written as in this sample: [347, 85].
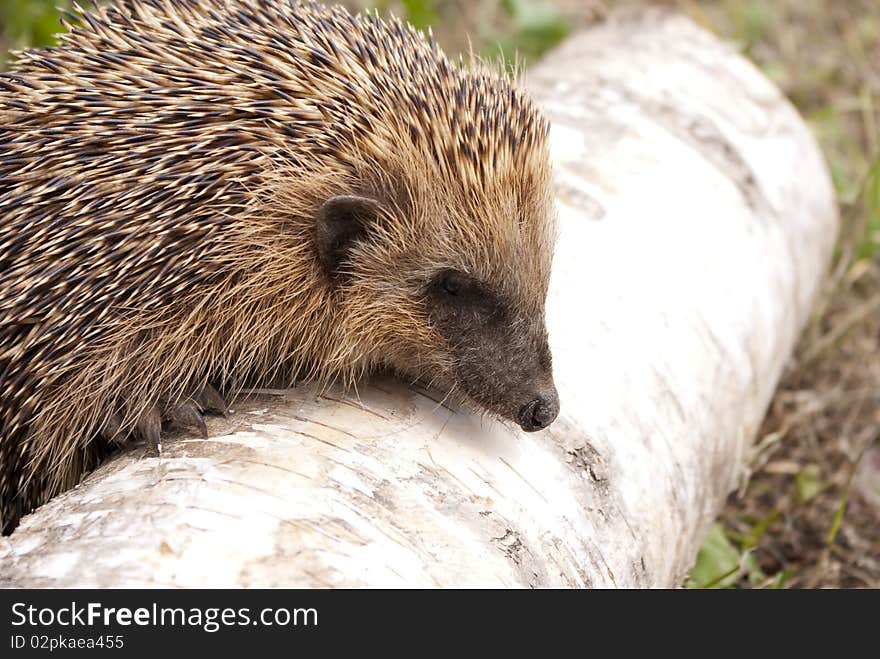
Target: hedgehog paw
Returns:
[209, 400]
[149, 426]
[188, 415]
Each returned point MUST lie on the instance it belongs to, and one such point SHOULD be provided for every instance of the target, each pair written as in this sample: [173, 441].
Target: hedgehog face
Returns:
[459, 308]
[501, 358]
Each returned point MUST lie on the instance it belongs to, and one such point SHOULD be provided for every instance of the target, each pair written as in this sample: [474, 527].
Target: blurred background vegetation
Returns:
[809, 515]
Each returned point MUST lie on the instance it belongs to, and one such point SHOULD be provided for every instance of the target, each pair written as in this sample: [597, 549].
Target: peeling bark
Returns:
[697, 220]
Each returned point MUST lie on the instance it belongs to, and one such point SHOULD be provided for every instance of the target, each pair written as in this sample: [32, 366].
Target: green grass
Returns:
[523, 31]
[26, 23]
[870, 198]
[535, 28]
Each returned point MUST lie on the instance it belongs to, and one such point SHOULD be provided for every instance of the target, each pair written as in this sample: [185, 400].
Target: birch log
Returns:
[697, 220]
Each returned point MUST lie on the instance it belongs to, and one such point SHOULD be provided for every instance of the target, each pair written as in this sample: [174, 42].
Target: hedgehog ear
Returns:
[340, 223]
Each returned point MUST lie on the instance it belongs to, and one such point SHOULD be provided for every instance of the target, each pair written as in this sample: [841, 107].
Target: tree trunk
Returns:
[697, 221]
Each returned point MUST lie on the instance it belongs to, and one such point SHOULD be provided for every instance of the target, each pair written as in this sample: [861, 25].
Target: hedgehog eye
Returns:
[454, 297]
[451, 283]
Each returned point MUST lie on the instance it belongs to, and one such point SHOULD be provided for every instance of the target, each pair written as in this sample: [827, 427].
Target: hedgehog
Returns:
[202, 195]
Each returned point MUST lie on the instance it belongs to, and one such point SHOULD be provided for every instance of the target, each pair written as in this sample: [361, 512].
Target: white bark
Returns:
[697, 220]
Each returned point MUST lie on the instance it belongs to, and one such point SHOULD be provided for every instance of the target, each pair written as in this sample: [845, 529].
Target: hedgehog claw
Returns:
[210, 400]
[187, 415]
[150, 428]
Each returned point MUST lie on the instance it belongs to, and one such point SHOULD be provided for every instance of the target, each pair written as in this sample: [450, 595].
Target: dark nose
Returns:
[539, 413]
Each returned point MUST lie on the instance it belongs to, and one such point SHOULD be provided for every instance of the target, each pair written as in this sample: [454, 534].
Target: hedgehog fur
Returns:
[199, 194]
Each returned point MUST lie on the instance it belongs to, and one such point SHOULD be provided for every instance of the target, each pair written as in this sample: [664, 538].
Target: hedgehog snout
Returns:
[539, 412]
